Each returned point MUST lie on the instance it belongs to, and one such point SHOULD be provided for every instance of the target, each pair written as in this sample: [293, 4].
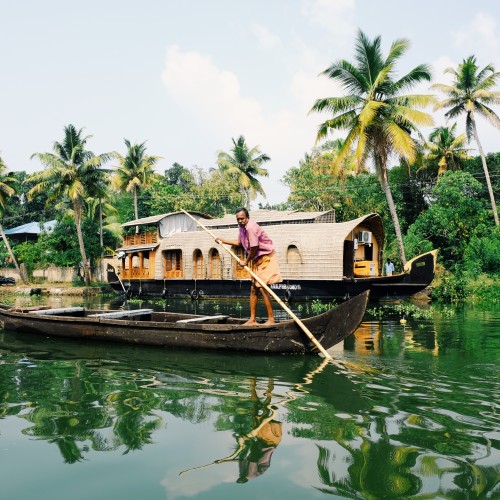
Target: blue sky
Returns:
[188, 76]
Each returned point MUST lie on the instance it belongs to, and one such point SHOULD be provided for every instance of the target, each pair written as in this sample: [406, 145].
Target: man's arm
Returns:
[234, 243]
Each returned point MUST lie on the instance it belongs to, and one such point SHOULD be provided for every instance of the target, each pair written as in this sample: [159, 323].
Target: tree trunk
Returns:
[384, 183]
[486, 172]
[12, 256]
[78, 222]
[136, 210]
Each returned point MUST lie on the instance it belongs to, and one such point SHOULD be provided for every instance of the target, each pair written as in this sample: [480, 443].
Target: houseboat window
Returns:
[198, 270]
[135, 261]
[240, 272]
[214, 264]
[173, 264]
[293, 260]
[368, 252]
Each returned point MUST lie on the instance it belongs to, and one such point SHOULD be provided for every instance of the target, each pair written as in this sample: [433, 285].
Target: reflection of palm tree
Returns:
[134, 424]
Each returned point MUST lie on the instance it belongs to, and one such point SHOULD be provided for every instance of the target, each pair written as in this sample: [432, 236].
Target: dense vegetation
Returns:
[438, 196]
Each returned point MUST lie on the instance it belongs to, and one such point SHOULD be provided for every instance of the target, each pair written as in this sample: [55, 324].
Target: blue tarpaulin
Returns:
[31, 229]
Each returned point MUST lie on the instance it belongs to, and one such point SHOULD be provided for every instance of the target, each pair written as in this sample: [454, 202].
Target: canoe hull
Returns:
[163, 330]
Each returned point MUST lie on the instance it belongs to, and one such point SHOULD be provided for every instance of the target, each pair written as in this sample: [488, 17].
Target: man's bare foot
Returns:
[269, 322]
[250, 322]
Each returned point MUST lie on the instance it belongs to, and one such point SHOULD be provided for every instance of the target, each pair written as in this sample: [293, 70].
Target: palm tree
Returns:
[343, 164]
[135, 172]
[378, 116]
[70, 174]
[244, 164]
[470, 93]
[446, 149]
[6, 191]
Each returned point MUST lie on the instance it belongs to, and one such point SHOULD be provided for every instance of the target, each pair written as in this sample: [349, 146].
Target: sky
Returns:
[187, 77]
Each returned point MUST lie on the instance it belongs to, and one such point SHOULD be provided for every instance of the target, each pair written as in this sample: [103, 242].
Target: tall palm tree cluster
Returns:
[382, 120]
[74, 179]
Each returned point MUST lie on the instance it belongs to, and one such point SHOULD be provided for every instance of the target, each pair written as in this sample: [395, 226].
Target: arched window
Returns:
[214, 264]
[293, 259]
[198, 269]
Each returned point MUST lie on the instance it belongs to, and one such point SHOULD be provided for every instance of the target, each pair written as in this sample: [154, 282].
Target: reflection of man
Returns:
[255, 459]
[258, 445]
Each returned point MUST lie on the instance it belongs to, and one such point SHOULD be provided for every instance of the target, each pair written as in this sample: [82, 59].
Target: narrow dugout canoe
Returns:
[175, 330]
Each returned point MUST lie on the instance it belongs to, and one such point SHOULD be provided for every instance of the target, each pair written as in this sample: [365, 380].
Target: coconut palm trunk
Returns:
[136, 209]
[78, 223]
[384, 184]
[486, 172]
[12, 256]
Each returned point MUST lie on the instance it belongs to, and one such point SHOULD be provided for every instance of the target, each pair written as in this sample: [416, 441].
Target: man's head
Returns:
[242, 216]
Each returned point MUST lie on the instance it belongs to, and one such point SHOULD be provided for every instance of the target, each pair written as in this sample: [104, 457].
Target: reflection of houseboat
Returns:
[319, 259]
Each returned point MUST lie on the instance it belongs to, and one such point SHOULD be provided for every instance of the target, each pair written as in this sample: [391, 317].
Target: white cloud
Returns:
[335, 16]
[480, 38]
[213, 94]
[213, 97]
[265, 37]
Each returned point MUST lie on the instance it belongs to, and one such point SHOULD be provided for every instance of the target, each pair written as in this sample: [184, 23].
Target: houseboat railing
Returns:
[145, 238]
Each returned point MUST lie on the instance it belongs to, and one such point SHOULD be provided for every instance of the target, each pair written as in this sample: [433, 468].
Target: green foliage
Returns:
[484, 288]
[455, 215]
[453, 288]
[475, 168]
[482, 254]
[31, 254]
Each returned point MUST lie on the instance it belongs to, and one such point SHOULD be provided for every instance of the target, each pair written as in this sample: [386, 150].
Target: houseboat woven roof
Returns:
[155, 219]
[267, 217]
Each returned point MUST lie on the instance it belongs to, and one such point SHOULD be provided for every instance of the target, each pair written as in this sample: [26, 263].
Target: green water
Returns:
[403, 411]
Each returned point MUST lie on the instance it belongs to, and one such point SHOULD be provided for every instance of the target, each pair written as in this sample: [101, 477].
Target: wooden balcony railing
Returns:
[135, 273]
[141, 239]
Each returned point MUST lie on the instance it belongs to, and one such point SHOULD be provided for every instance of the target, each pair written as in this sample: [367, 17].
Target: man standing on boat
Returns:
[262, 260]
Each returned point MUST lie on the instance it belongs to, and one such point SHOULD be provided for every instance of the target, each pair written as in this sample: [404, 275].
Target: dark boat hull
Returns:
[163, 329]
[397, 286]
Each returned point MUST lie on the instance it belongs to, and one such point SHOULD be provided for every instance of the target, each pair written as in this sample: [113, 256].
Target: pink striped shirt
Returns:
[252, 235]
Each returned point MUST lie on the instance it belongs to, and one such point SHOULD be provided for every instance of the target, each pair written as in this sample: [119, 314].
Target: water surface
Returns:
[403, 411]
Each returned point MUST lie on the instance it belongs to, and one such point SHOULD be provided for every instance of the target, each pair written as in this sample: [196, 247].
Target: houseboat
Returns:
[170, 255]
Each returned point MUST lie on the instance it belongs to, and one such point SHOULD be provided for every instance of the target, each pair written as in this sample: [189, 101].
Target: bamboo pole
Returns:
[264, 285]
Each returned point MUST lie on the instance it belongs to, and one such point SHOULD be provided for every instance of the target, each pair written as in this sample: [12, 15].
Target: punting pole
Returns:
[264, 285]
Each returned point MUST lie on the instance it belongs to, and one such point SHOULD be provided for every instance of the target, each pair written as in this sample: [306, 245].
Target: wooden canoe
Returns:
[176, 330]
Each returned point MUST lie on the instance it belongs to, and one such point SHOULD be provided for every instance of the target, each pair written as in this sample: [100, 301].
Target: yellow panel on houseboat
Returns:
[364, 268]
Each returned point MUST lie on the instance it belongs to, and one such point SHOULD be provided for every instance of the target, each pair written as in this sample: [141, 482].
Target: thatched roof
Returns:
[268, 217]
[154, 220]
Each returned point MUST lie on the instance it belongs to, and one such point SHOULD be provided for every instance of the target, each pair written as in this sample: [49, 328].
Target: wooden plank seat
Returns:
[121, 314]
[61, 310]
[202, 318]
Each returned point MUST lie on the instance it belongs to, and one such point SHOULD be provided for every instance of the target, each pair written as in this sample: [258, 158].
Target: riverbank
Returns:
[55, 289]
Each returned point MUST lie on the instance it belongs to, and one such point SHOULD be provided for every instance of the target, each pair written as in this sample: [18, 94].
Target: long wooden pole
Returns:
[264, 285]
